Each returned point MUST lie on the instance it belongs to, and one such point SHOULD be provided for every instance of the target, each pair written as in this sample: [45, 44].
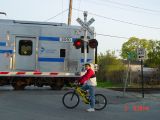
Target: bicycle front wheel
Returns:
[100, 101]
[70, 100]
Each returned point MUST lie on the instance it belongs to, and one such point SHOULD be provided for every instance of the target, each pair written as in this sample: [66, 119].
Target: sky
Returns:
[111, 17]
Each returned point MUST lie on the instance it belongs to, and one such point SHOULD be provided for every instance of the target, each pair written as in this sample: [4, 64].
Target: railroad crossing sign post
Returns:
[142, 78]
[141, 56]
[85, 25]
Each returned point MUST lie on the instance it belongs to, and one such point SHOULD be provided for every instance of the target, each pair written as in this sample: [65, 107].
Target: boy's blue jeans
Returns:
[91, 90]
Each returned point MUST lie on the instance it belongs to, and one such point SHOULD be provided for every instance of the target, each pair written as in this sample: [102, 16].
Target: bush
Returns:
[110, 68]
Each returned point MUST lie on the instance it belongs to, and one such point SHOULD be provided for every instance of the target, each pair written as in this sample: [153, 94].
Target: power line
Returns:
[96, 33]
[79, 6]
[62, 10]
[126, 8]
[117, 20]
[105, 35]
[128, 5]
[56, 15]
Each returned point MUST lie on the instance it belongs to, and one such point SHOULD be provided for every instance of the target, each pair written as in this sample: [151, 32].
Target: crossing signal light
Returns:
[93, 43]
[78, 43]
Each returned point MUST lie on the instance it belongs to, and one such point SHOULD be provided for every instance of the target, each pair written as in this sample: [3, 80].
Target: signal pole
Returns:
[85, 25]
[85, 37]
[70, 12]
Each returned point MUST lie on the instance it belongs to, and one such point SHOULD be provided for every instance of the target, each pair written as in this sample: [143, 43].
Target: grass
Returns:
[108, 84]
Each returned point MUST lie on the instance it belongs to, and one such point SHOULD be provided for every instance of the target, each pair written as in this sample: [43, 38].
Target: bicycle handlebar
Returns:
[75, 84]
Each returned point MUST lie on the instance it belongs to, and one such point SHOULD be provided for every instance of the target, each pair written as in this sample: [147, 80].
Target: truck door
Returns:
[25, 56]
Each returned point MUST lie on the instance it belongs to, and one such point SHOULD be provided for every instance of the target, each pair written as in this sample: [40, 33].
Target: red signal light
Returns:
[93, 43]
[78, 43]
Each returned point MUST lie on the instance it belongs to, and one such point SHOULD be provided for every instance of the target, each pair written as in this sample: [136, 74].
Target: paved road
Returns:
[45, 104]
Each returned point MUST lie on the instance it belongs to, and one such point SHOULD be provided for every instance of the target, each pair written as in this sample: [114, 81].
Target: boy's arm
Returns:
[87, 76]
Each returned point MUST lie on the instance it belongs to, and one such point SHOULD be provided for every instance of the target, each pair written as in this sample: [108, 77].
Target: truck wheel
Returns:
[57, 85]
[18, 85]
[54, 87]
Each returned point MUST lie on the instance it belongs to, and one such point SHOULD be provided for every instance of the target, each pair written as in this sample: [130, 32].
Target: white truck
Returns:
[40, 53]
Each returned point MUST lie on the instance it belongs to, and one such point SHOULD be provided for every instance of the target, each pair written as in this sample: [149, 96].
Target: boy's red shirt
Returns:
[86, 76]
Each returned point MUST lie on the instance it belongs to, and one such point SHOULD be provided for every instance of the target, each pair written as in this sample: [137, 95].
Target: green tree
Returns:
[129, 48]
[153, 54]
[152, 48]
[110, 68]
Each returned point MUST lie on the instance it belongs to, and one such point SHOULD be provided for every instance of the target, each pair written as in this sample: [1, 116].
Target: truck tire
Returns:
[57, 85]
[18, 84]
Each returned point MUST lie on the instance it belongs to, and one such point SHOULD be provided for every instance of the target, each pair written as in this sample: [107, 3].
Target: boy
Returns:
[89, 82]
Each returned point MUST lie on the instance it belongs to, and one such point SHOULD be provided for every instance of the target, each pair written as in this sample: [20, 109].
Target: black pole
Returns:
[96, 57]
[142, 78]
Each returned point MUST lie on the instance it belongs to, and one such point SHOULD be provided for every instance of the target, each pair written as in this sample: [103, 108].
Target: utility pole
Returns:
[70, 12]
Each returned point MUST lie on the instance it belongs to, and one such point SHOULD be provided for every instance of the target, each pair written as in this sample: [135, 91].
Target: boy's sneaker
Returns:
[90, 110]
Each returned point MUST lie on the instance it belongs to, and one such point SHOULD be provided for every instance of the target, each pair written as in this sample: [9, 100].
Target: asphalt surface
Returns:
[45, 104]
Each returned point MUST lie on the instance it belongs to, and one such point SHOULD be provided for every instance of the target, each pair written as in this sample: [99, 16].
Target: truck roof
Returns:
[30, 22]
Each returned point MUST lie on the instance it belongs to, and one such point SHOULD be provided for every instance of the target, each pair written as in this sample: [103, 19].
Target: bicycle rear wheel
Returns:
[100, 101]
[70, 100]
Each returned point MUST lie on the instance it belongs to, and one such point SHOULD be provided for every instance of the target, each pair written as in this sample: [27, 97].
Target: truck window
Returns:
[25, 47]
[62, 52]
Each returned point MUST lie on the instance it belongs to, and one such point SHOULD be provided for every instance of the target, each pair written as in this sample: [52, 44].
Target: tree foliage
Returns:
[110, 68]
[151, 47]
[130, 47]
[153, 54]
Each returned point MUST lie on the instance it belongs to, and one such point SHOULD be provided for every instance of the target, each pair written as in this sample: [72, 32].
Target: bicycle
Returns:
[71, 99]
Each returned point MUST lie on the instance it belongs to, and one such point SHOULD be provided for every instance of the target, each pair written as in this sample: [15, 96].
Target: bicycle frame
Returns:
[81, 93]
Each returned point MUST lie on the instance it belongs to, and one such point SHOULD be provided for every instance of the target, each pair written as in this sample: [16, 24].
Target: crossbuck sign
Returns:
[86, 25]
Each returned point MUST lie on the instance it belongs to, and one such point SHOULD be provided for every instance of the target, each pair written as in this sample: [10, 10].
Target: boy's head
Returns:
[87, 66]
